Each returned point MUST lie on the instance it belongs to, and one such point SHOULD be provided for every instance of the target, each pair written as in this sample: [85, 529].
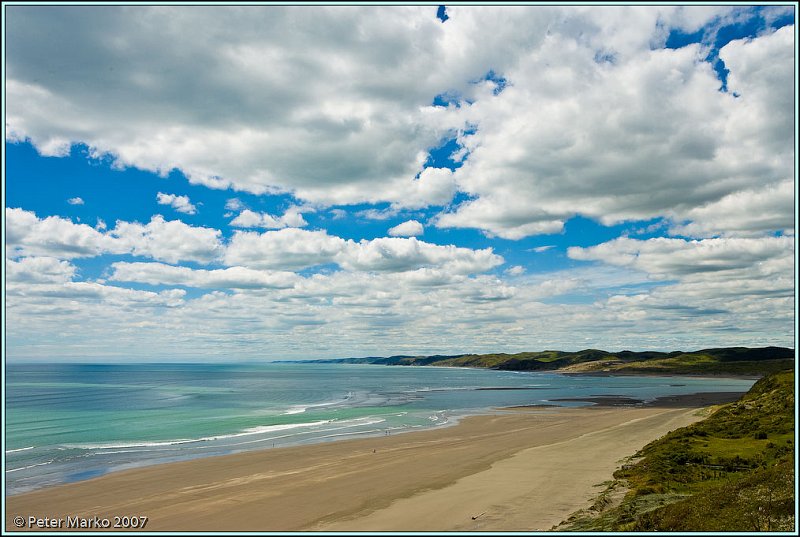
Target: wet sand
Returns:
[526, 470]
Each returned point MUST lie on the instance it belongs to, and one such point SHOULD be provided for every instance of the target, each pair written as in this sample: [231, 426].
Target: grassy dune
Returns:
[733, 471]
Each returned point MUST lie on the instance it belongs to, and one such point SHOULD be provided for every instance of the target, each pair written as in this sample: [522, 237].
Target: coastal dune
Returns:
[526, 469]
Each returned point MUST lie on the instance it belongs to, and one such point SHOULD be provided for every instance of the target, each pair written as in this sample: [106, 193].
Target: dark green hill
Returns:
[730, 360]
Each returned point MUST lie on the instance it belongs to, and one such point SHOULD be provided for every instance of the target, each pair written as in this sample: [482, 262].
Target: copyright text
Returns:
[81, 522]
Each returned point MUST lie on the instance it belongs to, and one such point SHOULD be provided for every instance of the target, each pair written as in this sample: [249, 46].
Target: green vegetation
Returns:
[734, 471]
[724, 361]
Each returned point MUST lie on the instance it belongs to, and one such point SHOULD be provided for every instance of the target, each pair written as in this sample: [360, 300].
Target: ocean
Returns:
[71, 422]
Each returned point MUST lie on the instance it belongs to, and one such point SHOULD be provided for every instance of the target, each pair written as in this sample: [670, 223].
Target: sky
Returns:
[296, 182]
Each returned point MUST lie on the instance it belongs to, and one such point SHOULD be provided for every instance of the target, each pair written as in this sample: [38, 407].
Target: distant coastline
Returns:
[728, 361]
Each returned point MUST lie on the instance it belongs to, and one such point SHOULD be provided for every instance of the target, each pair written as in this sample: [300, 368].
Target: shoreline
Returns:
[623, 373]
[688, 400]
[417, 481]
[70, 467]
[697, 399]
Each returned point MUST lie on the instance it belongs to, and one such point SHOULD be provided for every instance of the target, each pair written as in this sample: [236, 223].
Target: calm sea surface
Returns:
[66, 423]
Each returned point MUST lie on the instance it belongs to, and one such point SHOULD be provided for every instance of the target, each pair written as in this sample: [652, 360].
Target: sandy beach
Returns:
[526, 469]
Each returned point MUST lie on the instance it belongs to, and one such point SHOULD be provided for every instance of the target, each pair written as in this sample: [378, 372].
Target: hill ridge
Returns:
[714, 360]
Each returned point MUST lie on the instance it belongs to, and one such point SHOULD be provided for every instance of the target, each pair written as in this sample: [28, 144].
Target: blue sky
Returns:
[389, 180]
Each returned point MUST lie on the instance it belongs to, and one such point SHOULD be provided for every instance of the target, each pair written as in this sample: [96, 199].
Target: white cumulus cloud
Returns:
[182, 204]
[595, 117]
[169, 241]
[295, 249]
[643, 136]
[39, 270]
[250, 219]
[230, 278]
[397, 254]
[751, 212]
[284, 96]
[409, 228]
[53, 236]
[284, 249]
[666, 258]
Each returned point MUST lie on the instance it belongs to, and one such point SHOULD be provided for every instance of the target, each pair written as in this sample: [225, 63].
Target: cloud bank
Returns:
[492, 127]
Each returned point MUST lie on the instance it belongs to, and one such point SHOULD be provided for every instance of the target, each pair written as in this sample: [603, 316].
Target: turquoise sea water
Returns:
[67, 423]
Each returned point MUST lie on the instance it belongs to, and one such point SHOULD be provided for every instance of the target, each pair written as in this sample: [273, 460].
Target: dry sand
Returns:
[523, 470]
